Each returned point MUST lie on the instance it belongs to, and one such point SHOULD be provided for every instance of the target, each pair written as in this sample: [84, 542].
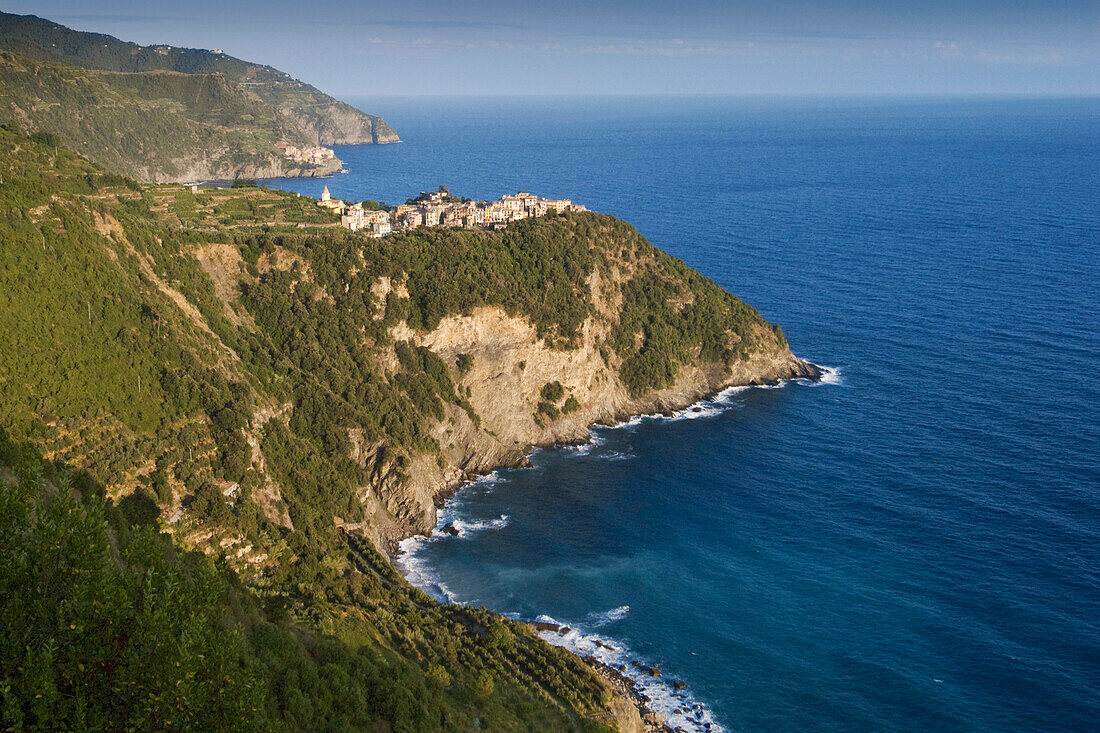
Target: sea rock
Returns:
[543, 626]
[450, 529]
[679, 684]
[652, 717]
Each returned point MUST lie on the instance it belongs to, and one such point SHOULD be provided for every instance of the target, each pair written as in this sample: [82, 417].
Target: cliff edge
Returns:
[510, 368]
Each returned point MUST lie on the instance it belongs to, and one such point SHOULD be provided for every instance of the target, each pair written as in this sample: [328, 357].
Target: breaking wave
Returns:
[468, 526]
[724, 400]
[598, 619]
[829, 376]
[419, 572]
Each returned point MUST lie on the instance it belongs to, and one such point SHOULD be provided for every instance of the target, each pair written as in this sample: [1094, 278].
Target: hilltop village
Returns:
[440, 208]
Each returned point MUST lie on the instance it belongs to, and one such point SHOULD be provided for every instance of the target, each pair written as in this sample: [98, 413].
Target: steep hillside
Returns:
[163, 113]
[106, 625]
[268, 388]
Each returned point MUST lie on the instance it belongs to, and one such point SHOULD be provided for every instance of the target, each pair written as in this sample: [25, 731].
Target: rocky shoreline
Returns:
[647, 719]
[623, 686]
[665, 404]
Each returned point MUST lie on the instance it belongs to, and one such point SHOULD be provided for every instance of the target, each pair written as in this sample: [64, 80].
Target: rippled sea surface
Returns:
[914, 545]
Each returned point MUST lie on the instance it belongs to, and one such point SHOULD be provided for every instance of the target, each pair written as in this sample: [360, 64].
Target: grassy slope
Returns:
[105, 624]
[96, 271]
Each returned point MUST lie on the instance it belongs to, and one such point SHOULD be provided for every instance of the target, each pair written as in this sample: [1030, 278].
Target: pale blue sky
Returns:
[640, 47]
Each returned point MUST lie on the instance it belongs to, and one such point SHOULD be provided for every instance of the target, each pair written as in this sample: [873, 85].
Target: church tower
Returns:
[325, 195]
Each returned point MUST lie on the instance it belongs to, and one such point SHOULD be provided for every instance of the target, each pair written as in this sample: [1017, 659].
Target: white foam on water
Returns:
[830, 376]
[604, 618]
[485, 482]
[680, 708]
[699, 410]
[595, 440]
[593, 447]
[466, 527]
[719, 403]
[419, 573]
[411, 563]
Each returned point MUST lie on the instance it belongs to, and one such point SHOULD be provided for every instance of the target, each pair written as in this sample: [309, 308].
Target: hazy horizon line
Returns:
[728, 95]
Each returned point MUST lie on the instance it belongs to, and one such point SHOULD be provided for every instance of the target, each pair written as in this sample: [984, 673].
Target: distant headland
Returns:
[161, 113]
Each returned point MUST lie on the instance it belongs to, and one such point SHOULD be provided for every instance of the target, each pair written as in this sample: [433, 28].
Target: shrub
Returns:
[552, 391]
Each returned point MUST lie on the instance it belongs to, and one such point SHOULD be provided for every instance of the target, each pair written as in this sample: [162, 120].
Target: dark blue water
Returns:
[916, 547]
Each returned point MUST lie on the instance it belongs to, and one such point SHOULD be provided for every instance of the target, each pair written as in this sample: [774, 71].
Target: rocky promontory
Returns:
[510, 367]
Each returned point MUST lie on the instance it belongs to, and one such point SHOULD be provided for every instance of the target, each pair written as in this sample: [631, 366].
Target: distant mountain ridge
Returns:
[168, 114]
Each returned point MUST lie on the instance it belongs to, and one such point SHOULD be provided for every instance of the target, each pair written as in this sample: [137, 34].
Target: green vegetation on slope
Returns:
[682, 318]
[164, 113]
[145, 138]
[92, 287]
[324, 119]
[105, 624]
[243, 378]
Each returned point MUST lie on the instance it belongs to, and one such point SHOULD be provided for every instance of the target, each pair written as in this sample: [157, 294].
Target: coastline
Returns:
[655, 700]
[433, 486]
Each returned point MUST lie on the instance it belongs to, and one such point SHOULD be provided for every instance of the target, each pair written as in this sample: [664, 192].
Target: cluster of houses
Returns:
[313, 154]
[439, 208]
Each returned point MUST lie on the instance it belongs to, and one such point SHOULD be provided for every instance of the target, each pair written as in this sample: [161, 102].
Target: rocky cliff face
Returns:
[203, 168]
[340, 124]
[510, 366]
[502, 367]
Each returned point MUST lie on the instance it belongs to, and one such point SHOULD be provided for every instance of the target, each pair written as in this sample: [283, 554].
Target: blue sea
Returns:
[913, 545]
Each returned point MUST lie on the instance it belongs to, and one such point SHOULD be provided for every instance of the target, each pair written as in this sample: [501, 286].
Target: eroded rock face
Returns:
[341, 124]
[213, 168]
[522, 391]
[509, 368]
